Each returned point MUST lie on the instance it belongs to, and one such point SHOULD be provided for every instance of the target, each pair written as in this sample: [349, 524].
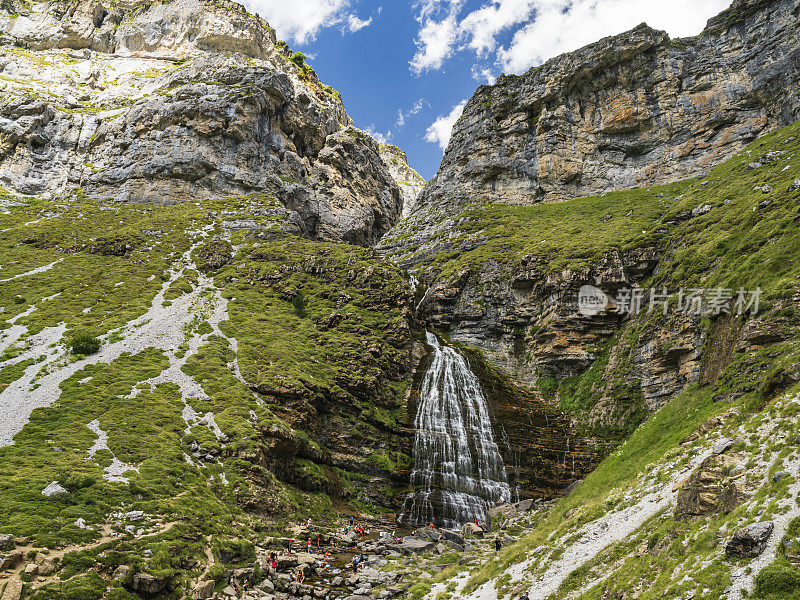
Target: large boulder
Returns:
[6, 541]
[750, 541]
[710, 489]
[203, 590]
[54, 490]
[147, 584]
[414, 545]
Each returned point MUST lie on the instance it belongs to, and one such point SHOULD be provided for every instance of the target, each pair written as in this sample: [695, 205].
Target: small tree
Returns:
[84, 343]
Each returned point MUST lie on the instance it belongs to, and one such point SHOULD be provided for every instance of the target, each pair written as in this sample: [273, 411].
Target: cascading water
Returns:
[458, 471]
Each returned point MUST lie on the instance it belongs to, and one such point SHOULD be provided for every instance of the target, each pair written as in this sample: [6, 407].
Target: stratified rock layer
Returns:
[632, 110]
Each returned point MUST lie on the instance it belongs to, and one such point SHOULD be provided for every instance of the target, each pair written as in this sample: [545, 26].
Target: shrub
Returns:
[300, 303]
[298, 58]
[777, 578]
[84, 343]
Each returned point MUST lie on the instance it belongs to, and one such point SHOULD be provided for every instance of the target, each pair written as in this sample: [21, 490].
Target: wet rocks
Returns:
[750, 541]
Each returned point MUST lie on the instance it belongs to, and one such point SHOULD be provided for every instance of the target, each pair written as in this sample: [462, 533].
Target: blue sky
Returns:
[423, 59]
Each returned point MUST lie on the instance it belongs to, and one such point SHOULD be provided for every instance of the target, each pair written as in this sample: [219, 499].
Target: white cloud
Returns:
[543, 29]
[414, 110]
[483, 25]
[484, 74]
[300, 21]
[441, 129]
[379, 137]
[435, 43]
[355, 24]
[566, 25]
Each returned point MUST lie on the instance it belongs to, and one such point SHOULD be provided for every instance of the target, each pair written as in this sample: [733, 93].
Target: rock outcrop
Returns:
[174, 101]
[629, 111]
[408, 180]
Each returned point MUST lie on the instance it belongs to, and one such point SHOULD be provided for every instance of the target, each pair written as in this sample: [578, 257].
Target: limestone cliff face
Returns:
[173, 101]
[634, 110]
[408, 180]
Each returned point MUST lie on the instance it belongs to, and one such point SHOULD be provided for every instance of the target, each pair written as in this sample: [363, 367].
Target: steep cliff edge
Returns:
[175, 101]
[629, 111]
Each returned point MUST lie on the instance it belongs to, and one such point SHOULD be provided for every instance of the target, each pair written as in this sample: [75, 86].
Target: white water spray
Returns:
[458, 473]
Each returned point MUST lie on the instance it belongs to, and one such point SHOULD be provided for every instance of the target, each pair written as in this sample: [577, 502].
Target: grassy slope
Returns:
[728, 246]
[279, 345]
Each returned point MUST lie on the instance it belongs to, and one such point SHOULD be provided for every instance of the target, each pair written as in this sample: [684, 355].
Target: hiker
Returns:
[245, 584]
[273, 556]
[497, 545]
[310, 549]
[289, 545]
[355, 564]
[524, 596]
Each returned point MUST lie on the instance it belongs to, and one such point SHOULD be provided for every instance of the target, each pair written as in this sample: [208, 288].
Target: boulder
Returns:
[795, 185]
[134, 515]
[203, 590]
[6, 541]
[710, 489]
[750, 541]
[266, 586]
[779, 475]
[12, 559]
[472, 529]
[452, 536]
[54, 490]
[722, 445]
[31, 570]
[414, 545]
[121, 572]
[146, 583]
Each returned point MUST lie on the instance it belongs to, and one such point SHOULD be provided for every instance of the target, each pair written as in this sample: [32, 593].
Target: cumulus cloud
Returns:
[441, 129]
[567, 25]
[300, 21]
[542, 29]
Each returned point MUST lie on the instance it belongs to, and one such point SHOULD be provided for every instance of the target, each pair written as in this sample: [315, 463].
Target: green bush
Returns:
[84, 343]
[89, 587]
[299, 59]
[778, 581]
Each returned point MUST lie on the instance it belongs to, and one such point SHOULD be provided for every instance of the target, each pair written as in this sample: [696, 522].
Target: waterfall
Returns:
[458, 472]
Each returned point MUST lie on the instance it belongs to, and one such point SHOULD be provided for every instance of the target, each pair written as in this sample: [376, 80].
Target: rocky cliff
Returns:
[174, 101]
[629, 111]
[408, 180]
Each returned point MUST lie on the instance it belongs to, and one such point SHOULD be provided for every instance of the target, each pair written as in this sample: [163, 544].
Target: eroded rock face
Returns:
[628, 111]
[710, 489]
[408, 180]
[175, 101]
